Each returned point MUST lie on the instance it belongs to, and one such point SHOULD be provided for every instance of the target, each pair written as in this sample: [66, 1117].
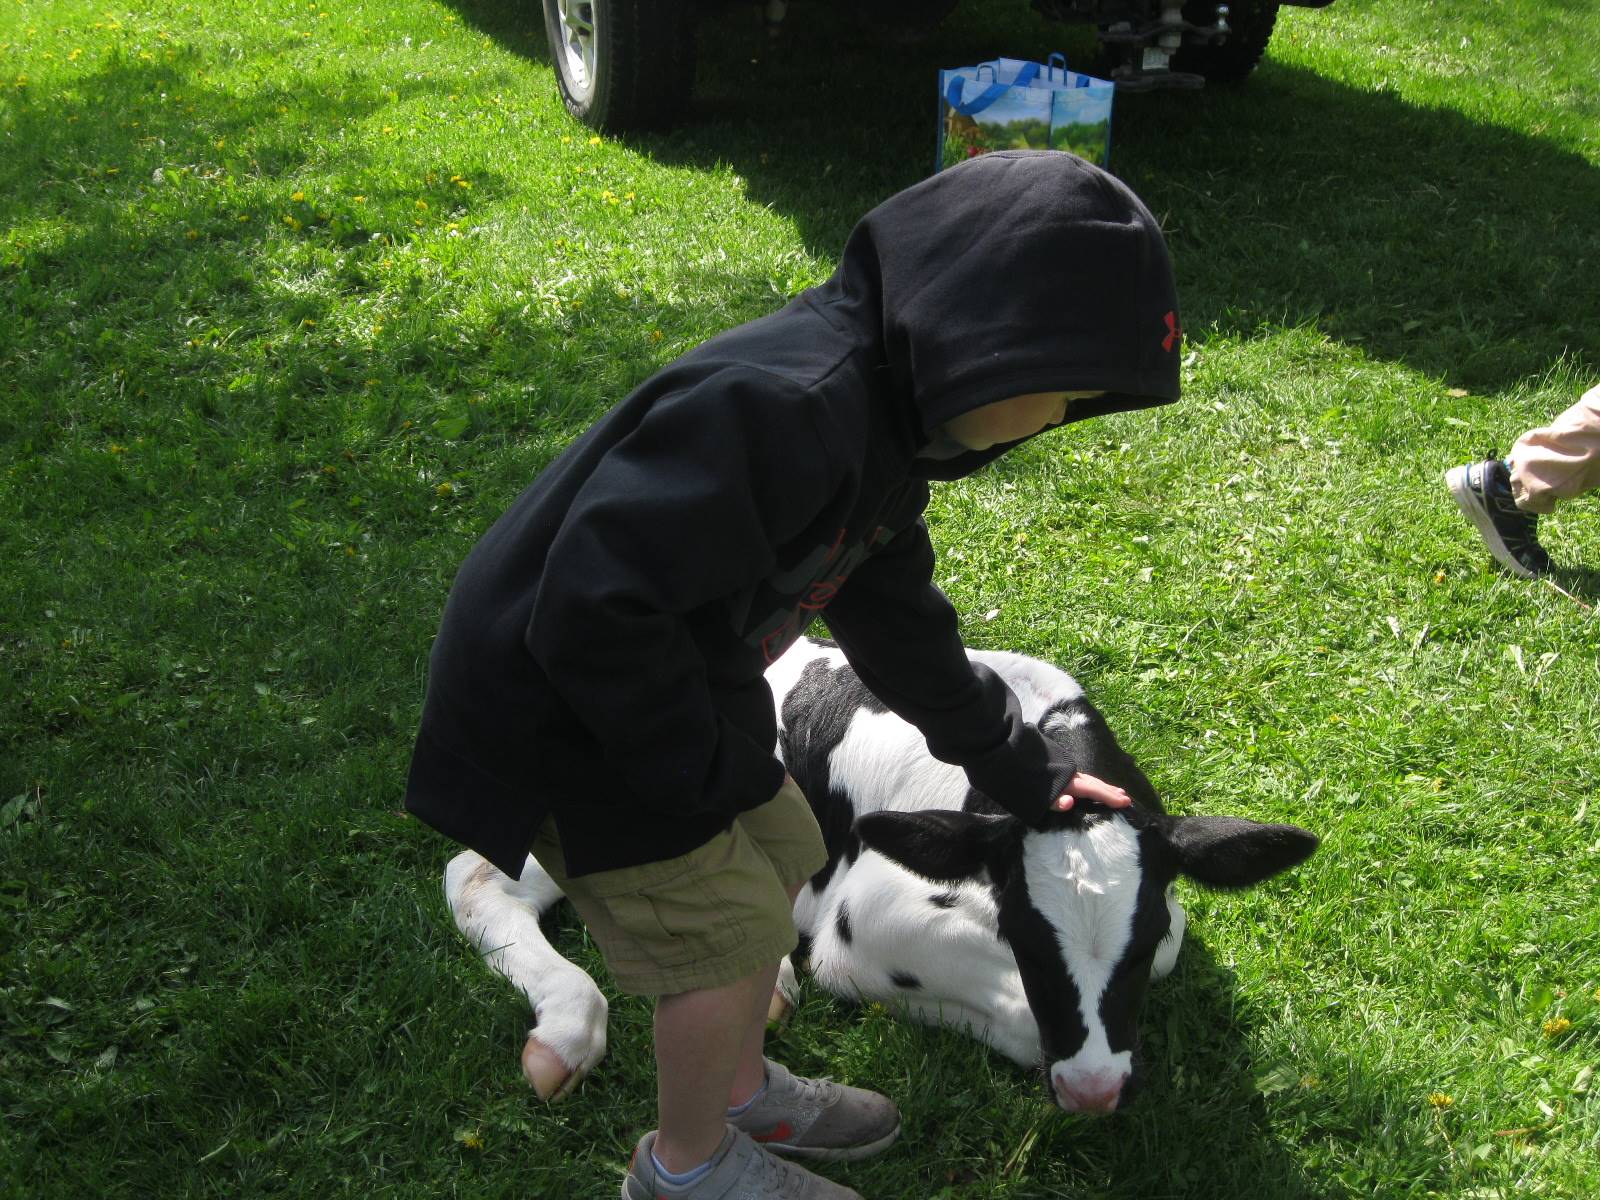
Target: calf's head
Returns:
[1086, 906]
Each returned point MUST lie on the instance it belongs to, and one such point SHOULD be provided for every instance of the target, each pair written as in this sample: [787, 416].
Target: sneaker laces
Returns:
[821, 1092]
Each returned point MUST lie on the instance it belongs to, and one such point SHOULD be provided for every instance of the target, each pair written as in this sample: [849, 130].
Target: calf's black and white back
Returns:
[1039, 940]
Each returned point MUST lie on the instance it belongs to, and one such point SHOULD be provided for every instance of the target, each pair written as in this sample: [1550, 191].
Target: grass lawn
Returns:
[295, 297]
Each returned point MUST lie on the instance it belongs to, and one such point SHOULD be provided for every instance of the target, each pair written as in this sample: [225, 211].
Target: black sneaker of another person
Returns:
[1483, 490]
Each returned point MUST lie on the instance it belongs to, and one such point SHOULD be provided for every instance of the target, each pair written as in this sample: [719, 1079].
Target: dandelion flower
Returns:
[1556, 1026]
[298, 196]
[1440, 1100]
[359, 199]
[422, 206]
[444, 491]
[594, 141]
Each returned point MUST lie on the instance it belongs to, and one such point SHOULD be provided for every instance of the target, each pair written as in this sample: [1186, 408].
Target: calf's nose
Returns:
[1089, 1093]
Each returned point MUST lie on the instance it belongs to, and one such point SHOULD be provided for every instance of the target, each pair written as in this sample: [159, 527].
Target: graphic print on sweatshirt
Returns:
[804, 590]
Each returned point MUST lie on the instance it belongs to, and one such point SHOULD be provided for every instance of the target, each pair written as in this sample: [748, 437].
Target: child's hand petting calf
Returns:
[1091, 787]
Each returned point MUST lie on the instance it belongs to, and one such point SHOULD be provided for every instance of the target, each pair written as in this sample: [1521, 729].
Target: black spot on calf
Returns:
[905, 980]
[944, 899]
[841, 925]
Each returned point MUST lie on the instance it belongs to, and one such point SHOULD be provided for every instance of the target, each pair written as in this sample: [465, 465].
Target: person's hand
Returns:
[1091, 787]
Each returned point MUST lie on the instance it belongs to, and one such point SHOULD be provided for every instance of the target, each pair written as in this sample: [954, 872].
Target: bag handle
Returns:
[990, 94]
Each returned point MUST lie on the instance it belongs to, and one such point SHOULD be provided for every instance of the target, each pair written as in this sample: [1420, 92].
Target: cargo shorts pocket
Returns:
[667, 921]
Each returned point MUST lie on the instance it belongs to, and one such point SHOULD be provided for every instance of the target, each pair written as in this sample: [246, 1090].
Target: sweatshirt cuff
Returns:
[1023, 774]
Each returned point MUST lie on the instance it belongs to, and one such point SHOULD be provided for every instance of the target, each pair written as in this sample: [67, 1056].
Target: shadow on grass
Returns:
[153, 243]
[1462, 249]
[1581, 582]
[1197, 1126]
[1202, 1103]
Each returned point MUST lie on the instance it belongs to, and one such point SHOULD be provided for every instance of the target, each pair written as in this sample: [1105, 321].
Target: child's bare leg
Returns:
[752, 1061]
[702, 1059]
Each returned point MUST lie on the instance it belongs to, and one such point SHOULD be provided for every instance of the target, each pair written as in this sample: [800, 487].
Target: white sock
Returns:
[761, 1091]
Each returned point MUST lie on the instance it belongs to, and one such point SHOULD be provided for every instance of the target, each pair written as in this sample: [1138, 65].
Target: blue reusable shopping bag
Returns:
[1013, 104]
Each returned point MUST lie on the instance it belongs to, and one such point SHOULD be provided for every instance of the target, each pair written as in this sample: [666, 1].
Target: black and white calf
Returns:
[1038, 941]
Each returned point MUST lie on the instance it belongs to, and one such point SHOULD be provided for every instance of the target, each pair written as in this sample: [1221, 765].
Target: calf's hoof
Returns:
[779, 1010]
[551, 1078]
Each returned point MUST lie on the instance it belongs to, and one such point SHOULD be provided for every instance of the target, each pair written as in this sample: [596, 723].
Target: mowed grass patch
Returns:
[295, 298]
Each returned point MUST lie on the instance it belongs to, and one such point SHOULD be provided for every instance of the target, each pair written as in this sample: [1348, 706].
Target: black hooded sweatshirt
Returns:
[600, 657]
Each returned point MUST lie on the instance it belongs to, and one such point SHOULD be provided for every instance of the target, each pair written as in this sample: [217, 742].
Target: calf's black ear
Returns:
[1230, 852]
[941, 844]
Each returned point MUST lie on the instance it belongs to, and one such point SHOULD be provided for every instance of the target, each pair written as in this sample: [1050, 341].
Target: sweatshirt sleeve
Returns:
[901, 636]
[684, 510]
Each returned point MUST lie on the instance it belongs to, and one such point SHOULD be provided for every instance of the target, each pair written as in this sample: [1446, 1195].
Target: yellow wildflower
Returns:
[75, 55]
[594, 141]
[359, 199]
[565, 141]
[298, 196]
[192, 234]
[422, 206]
[444, 491]
[1556, 1026]
[1440, 1100]
[116, 448]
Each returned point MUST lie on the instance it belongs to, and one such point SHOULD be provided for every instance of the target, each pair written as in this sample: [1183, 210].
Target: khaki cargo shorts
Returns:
[706, 918]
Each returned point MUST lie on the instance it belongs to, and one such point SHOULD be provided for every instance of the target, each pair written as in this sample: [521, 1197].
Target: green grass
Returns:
[294, 298]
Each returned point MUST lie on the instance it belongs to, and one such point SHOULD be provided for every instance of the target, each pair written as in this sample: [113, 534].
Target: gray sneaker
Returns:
[742, 1171]
[1483, 491]
[817, 1118]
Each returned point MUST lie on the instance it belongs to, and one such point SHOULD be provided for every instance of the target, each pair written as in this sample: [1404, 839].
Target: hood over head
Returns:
[1014, 272]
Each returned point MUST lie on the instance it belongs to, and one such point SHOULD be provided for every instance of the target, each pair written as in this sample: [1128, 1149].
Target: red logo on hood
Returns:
[1174, 332]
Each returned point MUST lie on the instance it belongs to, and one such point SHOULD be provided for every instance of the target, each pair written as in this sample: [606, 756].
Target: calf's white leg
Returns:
[785, 995]
[500, 917]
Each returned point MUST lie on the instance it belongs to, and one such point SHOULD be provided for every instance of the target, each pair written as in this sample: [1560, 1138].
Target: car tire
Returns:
[1232, 60]
[622, 64]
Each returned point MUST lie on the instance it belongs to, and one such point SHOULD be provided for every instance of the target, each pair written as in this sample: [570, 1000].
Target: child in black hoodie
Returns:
[596, 692]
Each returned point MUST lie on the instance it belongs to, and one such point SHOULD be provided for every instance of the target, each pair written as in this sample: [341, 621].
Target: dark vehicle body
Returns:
[629, 64]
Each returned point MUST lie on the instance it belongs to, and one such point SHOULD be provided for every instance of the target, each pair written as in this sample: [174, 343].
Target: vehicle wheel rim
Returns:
[577, 45]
